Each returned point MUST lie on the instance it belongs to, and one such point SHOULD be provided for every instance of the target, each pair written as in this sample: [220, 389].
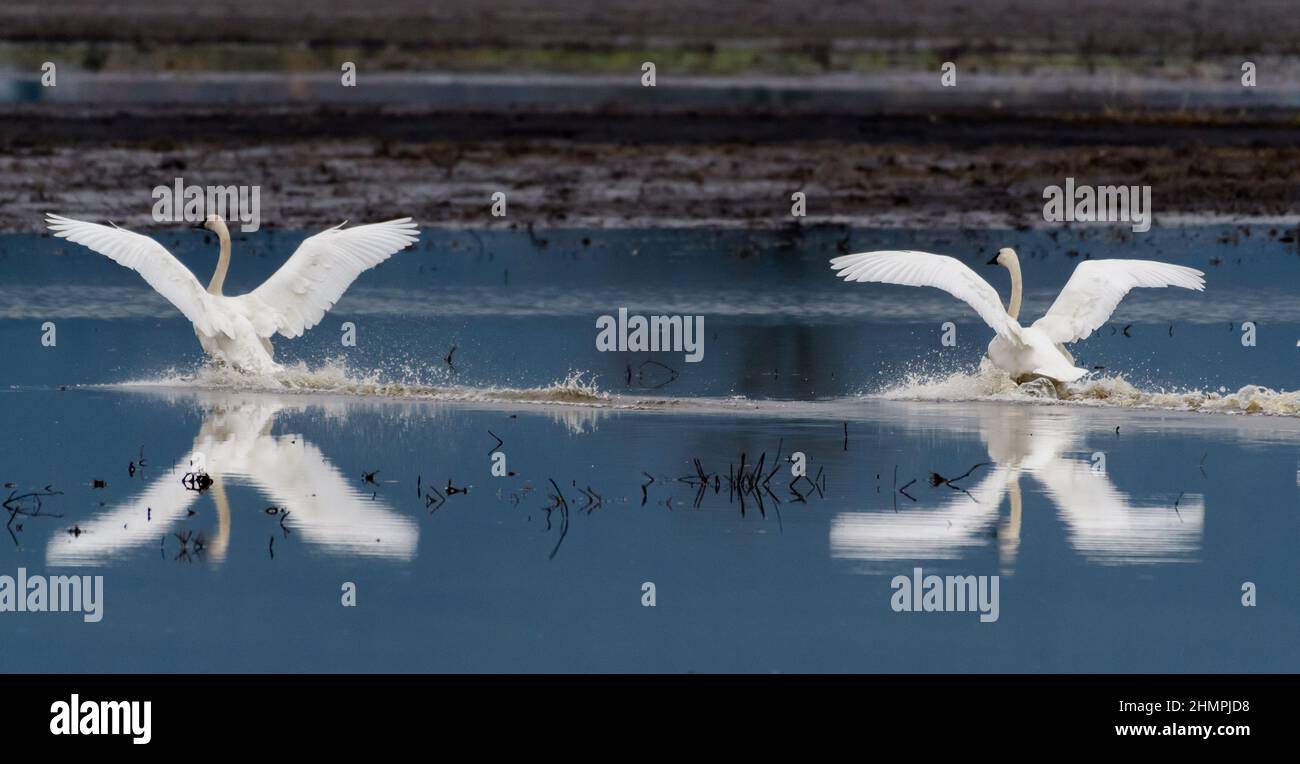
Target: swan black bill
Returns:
[992, 260]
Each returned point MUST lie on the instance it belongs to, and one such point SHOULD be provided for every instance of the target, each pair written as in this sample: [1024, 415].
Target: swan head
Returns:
[214, 223]
[1005, 257]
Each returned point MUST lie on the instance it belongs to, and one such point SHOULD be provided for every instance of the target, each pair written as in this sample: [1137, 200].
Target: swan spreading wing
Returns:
[1096, 288]
[910, 268]
[292, 301]
[297, 296]
[151, 260]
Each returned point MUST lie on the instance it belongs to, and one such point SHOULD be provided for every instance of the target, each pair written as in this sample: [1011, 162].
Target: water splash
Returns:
[335, 377]
[579, 388]
[990, 383]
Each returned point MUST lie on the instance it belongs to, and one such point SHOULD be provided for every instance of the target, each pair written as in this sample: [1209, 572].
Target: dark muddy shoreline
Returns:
[756, 100]
[320, 166]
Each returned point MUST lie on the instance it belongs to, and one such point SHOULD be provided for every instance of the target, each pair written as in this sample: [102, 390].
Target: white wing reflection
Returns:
[237, 448]
[1104, 525]
[960, 523]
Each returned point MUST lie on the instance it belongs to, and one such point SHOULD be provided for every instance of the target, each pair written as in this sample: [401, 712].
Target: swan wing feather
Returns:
[160, 269]
[297, 295]
[1096, 288]
[911, 268]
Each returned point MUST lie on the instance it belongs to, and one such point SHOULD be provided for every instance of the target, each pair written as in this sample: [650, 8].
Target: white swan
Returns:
[1103, 523]
[1038, 350]
[236, 330]
[239, 450]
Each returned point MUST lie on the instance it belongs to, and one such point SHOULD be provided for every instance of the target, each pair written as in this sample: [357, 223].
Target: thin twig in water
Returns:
[937, 480]
[431, 501]
[14, 506]
[640, 375]
[594, 499]
[561, 504]
[894, 492]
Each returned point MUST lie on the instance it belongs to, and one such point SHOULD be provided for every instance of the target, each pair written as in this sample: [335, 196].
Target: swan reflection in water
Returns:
[1101, 523]
[237, 447]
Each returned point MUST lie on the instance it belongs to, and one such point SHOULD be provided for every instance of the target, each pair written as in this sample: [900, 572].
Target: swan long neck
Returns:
[223, 261]
[1013, 308]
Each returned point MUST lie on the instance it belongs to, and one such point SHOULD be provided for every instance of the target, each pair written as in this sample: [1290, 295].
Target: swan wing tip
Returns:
[58, 224]
[407, 227]
[1193, 278]
[842, 262]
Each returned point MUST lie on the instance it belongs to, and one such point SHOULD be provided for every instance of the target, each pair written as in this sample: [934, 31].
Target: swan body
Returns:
[1038, 350]
[236, 330]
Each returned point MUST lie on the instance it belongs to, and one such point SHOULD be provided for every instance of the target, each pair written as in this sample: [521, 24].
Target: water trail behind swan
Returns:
[991, 383]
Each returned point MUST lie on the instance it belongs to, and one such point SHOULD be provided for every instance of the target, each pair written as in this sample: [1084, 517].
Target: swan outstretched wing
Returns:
[911, 268]
[322, 505]
[1096, 288]
[1106, 528]
[948, 532]
[134, 523]
[296, 297]
[151, 260]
